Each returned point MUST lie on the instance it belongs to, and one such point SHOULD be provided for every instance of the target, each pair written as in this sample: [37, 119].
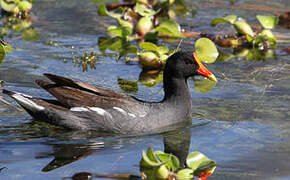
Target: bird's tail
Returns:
[24, 100]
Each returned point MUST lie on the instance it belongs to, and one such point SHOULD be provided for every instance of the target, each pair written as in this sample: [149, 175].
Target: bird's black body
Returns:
[86, 107]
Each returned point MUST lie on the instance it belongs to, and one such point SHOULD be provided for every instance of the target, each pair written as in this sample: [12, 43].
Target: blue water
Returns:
[243, 123]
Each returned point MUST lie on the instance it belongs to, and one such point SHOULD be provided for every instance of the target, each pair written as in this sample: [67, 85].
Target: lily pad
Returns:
[268, 22]
[206, 50]
[170, 29]
[230, 18]
[197, 160]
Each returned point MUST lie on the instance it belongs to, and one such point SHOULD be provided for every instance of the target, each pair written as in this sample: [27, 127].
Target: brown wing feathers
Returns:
[75, 94]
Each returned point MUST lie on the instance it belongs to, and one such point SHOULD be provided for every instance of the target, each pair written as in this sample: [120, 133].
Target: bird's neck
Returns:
[176, 90]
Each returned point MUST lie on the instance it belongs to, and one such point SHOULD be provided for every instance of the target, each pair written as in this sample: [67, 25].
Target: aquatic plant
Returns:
[262, 39]
[161, 165]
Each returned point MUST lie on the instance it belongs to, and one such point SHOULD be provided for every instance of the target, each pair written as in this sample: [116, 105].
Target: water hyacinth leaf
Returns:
[230, 18]
[24, 5]
[206, 50]
[243, 27]
[2, 53]
[148, 46]
[149, 159]
[8, 5]
[172, 161]
[144, 11]
[120, 31]
[197, 160]
[204, 85]
[185, 174]
[128, 86]
[102, 11]
[169, 28]
[268, 22]
[30, 34]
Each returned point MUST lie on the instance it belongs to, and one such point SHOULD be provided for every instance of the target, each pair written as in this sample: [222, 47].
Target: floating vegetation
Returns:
[262, 38]
[163, 166]
[88, 59]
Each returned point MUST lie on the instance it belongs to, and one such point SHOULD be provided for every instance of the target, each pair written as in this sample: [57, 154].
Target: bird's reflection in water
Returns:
[176, 142]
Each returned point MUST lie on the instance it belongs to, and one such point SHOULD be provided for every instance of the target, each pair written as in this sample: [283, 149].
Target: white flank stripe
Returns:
[27, 103]
[120, 110]
[130, 114]
[100, 111]
[79, 109]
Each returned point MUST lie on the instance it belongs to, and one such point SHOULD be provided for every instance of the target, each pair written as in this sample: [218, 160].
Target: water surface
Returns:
[243, 123]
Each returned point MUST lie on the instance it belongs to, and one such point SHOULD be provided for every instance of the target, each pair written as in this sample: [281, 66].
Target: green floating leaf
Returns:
[172, 161]
[197, 160]
[144, 11]
[230, 18]
[169, 28]
[206, 50]
[24, 5]
[8, 5]
[120, 31]
[127, 85]
[30, 34]
[148, 46]
[268, 22]
[149, 159]
[2, 53]
[102, 11]
[204, 85]
[243, 27]
[185, 174]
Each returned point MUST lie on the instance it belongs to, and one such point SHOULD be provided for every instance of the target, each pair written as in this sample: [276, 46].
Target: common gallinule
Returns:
[84, 106]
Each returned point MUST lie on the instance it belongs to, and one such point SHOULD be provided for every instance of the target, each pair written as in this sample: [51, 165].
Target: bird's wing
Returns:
[78, 94]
